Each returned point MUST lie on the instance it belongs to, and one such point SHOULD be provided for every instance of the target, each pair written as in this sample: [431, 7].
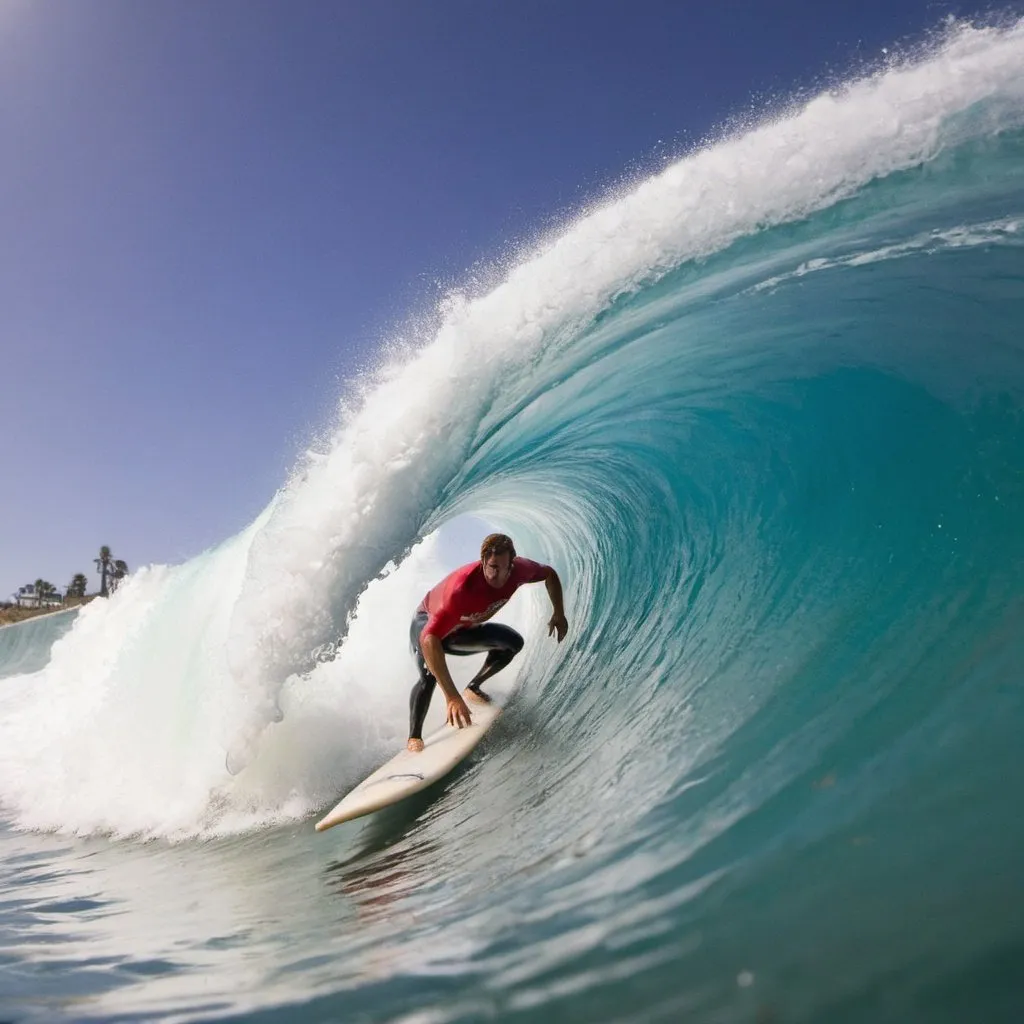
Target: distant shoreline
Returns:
[14, 615]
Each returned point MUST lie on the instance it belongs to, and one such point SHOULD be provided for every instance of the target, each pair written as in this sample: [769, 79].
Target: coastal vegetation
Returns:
[42, 597]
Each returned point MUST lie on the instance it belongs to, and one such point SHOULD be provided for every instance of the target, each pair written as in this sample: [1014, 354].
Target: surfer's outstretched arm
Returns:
[557, 624]
[433, 655]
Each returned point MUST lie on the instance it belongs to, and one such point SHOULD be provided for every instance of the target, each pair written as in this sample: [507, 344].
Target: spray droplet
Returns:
[745, 979]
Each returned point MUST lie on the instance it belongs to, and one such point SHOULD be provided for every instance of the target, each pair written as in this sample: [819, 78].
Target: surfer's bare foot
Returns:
[476, 696]
[414, 745]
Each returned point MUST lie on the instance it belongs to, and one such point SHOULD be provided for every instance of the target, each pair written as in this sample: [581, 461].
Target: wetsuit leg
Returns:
[419, 698]
[502, 644]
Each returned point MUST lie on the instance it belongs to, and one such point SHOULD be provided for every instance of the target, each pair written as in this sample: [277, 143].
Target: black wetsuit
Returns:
[501, 642]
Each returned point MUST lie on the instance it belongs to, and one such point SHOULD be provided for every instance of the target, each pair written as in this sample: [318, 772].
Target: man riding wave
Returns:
[453, 619]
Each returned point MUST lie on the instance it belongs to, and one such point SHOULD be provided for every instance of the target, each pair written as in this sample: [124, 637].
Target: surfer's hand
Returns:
[458, 713]
[558, 626]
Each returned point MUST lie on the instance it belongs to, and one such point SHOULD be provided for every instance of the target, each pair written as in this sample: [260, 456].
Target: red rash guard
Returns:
[465, 598]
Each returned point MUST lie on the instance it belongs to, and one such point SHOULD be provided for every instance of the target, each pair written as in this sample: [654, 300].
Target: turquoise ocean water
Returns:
[765, 413]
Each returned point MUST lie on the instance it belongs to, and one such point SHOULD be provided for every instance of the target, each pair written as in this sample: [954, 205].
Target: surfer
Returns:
[451, 620]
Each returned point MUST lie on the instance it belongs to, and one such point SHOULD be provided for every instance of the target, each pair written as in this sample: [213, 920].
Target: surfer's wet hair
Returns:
[497, 544]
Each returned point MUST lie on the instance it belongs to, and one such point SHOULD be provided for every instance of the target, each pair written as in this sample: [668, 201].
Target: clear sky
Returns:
[211, 213]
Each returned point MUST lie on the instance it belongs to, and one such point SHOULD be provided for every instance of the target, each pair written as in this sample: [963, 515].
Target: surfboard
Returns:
[407, 773]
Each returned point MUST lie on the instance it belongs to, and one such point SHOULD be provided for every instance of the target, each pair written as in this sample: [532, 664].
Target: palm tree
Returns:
[43, 590]
[103, 568]
[77, 586]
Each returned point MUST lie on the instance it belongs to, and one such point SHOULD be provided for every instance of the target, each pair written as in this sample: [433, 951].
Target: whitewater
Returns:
[764, 412]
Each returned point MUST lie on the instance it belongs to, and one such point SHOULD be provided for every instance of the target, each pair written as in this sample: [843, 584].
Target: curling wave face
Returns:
[765, 413]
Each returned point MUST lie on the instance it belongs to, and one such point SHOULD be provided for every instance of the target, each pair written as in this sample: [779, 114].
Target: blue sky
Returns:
[211, 214]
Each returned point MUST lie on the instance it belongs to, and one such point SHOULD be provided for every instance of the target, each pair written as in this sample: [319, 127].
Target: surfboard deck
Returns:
[407, 773]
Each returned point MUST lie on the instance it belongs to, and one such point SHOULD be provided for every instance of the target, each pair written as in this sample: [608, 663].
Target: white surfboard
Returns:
[407, 773]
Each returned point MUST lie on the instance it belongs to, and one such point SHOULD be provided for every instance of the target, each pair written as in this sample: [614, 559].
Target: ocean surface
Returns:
[764, 411]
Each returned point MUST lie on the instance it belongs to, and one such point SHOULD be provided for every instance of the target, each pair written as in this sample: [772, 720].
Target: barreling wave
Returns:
[763, 412]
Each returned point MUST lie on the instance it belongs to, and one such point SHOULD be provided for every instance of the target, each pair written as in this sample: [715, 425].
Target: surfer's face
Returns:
[497, 569]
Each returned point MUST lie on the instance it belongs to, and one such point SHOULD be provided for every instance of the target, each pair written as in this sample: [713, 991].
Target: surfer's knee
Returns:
[502, 653]
[502, 639]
